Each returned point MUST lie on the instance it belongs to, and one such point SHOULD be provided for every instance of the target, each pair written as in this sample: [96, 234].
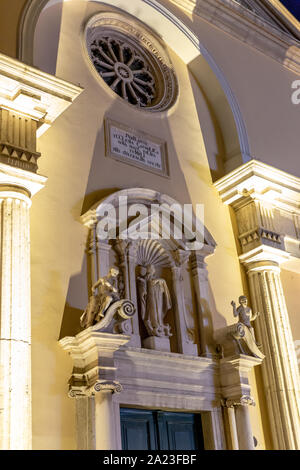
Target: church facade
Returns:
[150, 225]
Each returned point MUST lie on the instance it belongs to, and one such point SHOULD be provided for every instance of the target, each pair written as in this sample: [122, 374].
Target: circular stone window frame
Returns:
[121, 26]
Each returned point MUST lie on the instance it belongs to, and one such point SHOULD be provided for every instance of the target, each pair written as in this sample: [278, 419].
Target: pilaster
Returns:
[199, 272]
[93, 384]
[186, 333]
[266, 202]
[30, 101]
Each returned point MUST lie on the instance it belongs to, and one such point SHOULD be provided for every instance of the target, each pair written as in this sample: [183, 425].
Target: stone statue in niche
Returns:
[155, 302]
[244, 313]
[104, 293]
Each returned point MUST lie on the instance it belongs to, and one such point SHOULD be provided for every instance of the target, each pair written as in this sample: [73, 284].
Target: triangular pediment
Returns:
[274, 13]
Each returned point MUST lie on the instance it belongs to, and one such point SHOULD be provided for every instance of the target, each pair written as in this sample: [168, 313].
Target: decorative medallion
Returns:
[131, 61]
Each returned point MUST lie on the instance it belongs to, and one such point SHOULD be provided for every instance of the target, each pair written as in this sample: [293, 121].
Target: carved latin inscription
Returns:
[136, 148]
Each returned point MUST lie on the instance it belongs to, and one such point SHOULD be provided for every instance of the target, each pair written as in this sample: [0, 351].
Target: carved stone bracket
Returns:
[115, 320]
[245, 340]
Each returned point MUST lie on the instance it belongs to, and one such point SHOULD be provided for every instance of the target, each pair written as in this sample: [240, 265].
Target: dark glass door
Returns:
[160, 430]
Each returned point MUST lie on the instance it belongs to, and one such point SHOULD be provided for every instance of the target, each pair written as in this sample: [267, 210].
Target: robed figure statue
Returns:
[155, 301]
[104, 293]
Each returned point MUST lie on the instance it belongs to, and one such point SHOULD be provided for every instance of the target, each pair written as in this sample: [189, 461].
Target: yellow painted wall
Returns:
[10, 13]
[73, 159]
[291, 283]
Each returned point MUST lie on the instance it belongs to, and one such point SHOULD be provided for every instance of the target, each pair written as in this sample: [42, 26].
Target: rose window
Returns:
[131, 60]
[124, 70]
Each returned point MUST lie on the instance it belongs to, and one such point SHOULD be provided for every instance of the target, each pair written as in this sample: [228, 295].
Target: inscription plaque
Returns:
[136, 148]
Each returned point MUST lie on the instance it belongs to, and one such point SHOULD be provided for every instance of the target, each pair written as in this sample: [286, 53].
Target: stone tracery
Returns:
[124, 70]
[131, 61]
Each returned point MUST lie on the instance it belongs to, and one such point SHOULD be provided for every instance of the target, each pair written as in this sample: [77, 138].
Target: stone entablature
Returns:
[107, 373]
[30, 101]
[266, 202]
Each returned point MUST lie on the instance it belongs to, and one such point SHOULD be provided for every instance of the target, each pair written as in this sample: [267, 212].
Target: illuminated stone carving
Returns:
[155, 302]
[105, 309]
[124, 70]
[244, 313]
[104, 293]
[131, 61]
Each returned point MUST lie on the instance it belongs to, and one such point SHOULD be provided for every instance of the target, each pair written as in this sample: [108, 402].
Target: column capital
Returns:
[13, 179]
[244, 400]
[264, 258]
[256, 180]
[76, 391]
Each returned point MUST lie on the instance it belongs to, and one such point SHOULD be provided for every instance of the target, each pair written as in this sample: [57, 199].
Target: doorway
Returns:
[160, 430]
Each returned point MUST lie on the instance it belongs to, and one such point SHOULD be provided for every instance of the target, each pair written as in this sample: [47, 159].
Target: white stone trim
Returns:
[30, 92]
[267, 205]
[262, 181]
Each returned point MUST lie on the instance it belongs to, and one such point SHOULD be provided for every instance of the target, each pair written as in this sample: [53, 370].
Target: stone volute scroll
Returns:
[239, 338]
[244, 334]
[154, 302]
[239, 354]
[106, 310]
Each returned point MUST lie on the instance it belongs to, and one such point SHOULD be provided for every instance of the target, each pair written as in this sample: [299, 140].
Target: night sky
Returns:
[293, 6]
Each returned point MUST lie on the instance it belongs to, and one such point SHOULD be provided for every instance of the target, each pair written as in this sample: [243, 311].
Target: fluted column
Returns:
[265, 201]
[15, 306]
[280, 369]
[30, 101]
[15, 335]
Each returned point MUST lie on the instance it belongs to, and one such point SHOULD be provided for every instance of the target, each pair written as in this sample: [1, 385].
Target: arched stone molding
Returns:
[165, 23]
[174, 254]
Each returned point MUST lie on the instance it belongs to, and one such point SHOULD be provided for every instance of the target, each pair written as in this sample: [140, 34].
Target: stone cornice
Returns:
[10, 175]
[283, 13]
[250, 28]
[33, 93]
[264, 258]
[234, 376]
[257, 180]
[266, 202]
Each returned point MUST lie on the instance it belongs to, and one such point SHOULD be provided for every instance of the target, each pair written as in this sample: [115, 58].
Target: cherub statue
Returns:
[244, 313]
[100, 301]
